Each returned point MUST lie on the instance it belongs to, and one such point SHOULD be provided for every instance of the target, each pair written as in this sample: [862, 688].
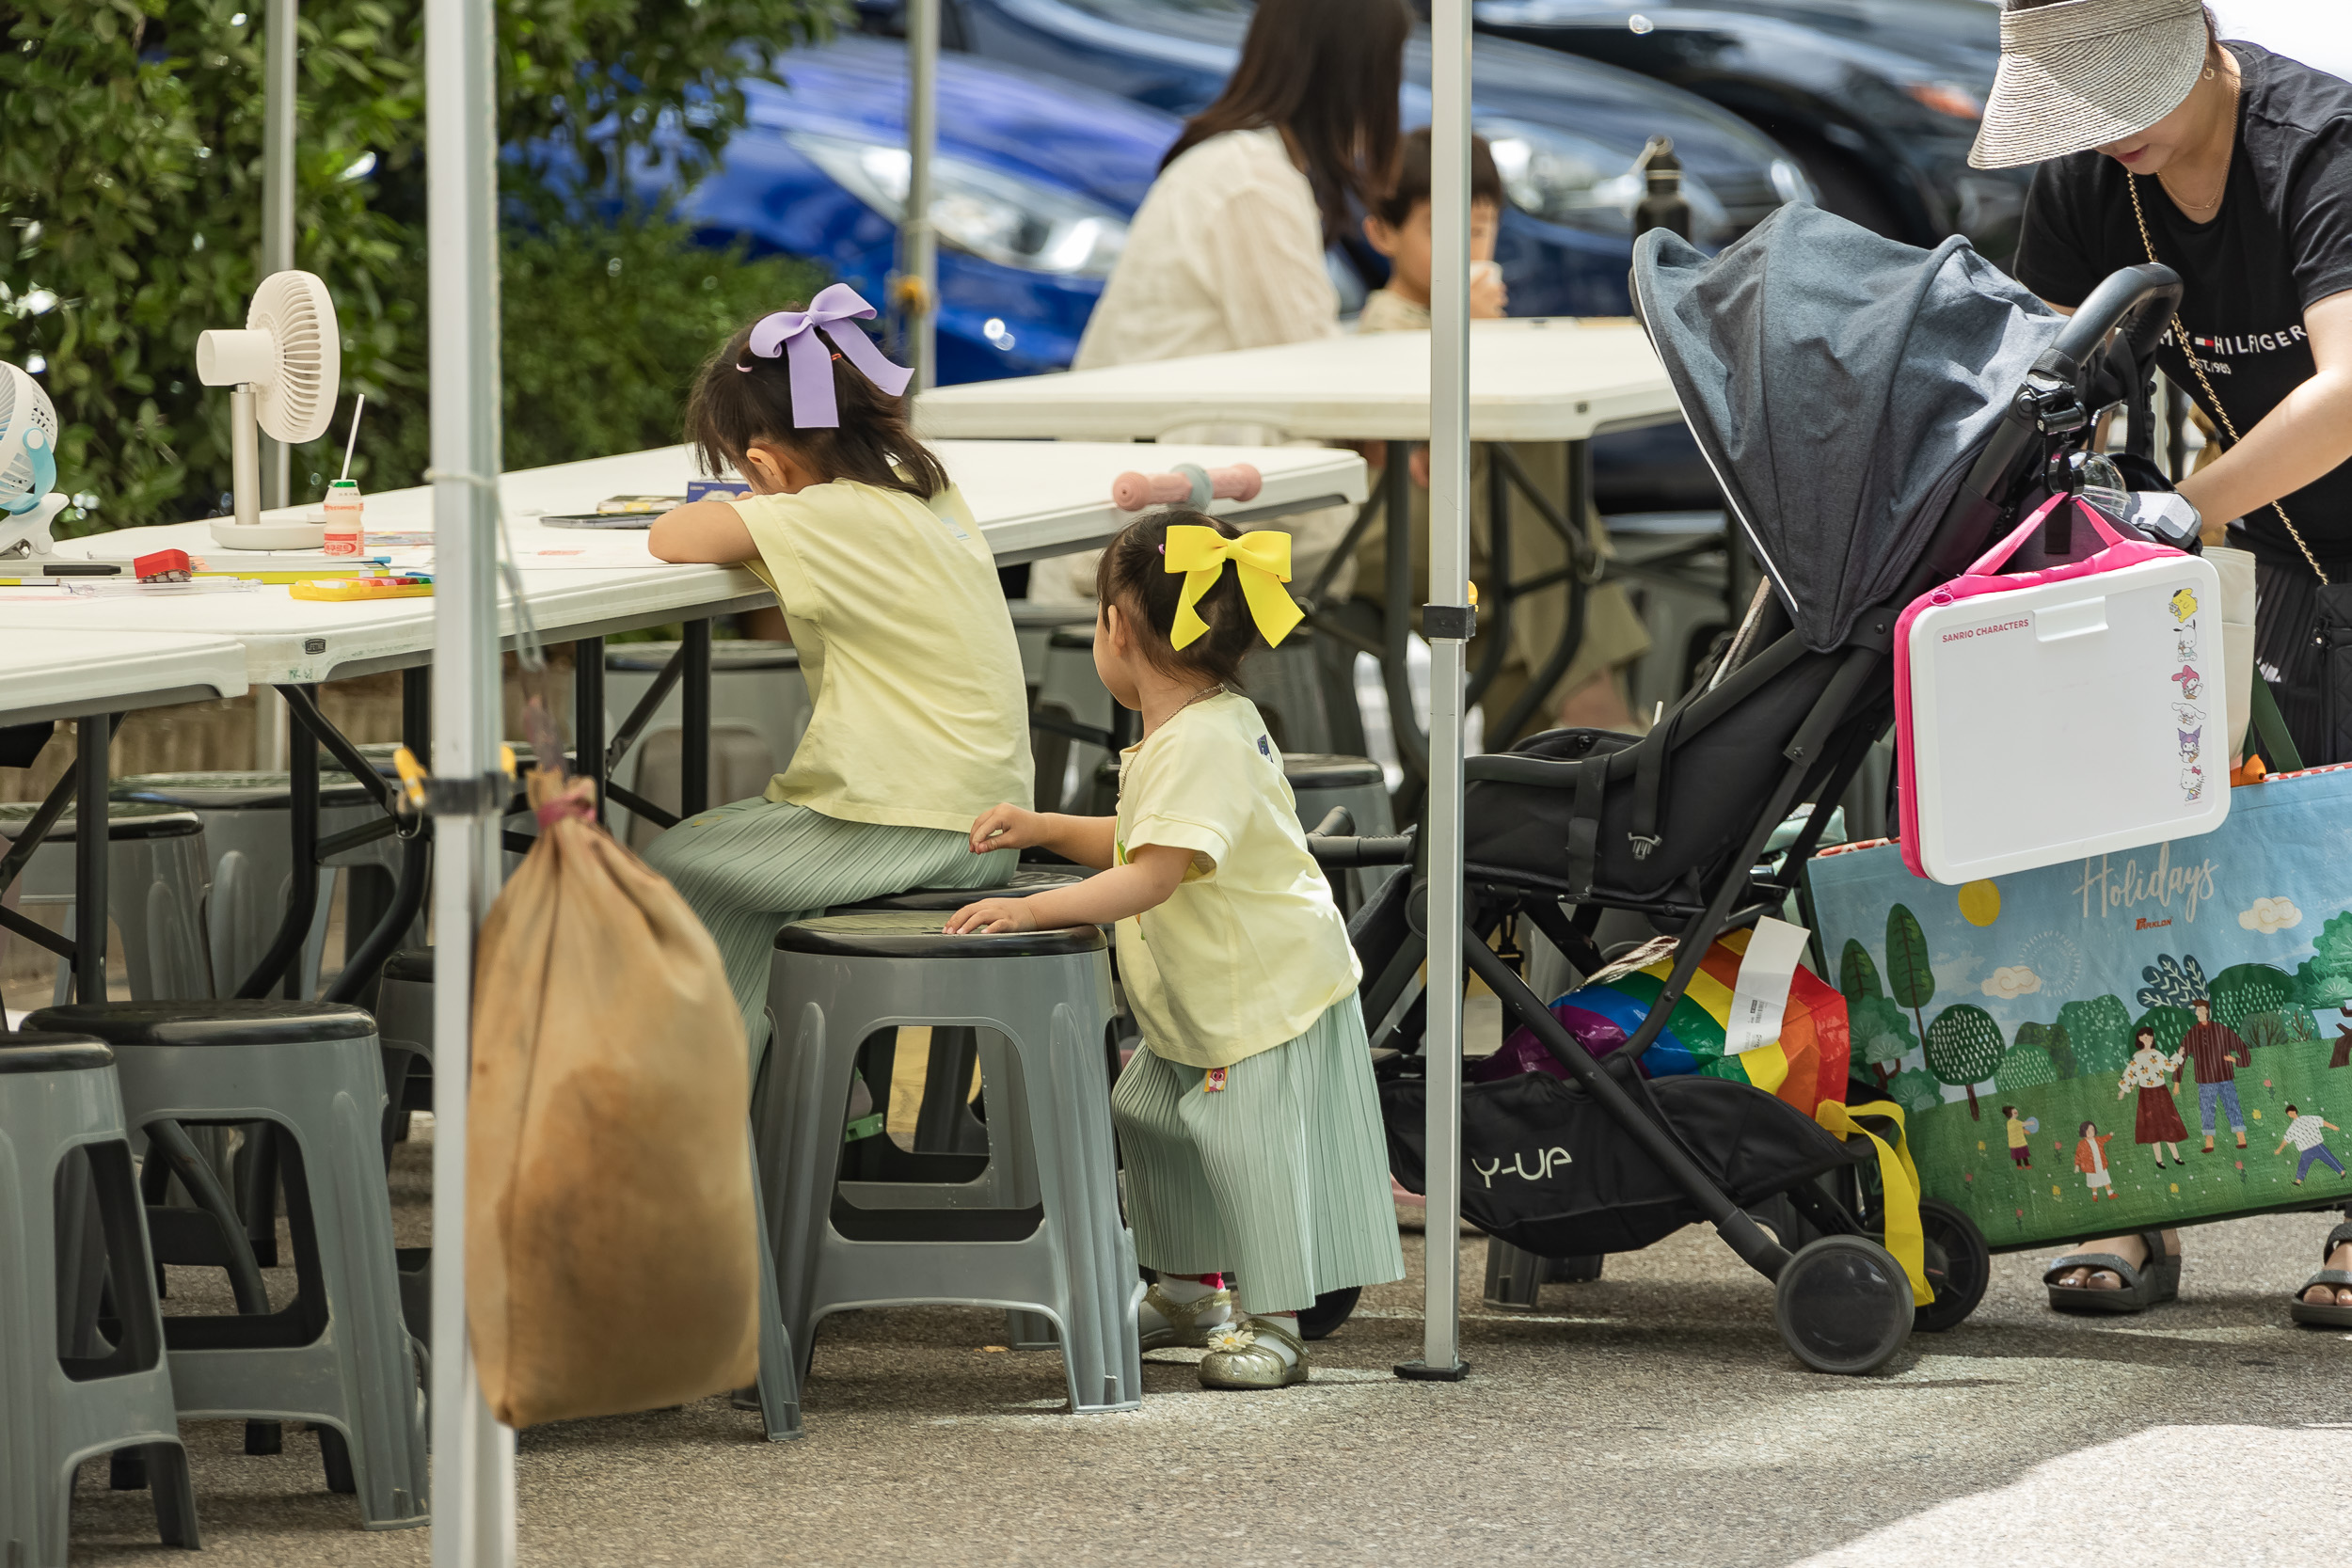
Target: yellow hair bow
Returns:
[1262, 559]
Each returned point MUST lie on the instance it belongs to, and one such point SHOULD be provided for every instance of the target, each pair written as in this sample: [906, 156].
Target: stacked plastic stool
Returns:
[338, 1355]
[81, 1365]
[1037, 1229]
[157, 874]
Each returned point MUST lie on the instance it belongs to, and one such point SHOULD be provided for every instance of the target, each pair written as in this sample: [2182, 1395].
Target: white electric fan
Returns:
[283, 371]
[28, 466]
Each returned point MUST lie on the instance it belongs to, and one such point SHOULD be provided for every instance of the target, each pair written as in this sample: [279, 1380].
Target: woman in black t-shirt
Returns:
[2234, 167]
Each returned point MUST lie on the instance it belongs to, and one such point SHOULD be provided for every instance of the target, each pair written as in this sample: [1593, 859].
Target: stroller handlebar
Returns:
[2137, 300]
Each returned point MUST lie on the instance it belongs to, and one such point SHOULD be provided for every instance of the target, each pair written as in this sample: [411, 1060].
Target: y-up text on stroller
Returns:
[1545, 1160]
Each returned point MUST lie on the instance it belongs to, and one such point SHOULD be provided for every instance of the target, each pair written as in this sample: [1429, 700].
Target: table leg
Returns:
[694, 745]
[1531, 702]
[588, 711]
[283, 960]
[1412, 744]
[361, 963]
[93, 737]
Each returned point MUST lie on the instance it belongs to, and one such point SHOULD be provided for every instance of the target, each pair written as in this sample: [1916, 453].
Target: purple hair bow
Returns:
[793, 334]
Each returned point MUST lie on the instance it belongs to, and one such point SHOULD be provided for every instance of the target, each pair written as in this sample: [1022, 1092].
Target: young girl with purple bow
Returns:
[921, 718]
[1248, 1122]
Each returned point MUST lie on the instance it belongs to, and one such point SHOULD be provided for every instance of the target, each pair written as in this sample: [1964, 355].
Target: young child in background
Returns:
[921, 716]
[1590, 694]
[1249, 1122]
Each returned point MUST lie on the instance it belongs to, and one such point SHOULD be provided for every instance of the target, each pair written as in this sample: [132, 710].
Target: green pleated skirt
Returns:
[750, 868]
[1280, 1176]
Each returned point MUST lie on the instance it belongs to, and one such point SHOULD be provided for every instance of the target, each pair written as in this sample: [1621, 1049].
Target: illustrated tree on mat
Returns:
[2026, 1067]
[1880, 1034]
[1857, 977]
[2169, 1023]
[2053, 1038]
[2172, 982]
[1915, 1090]
[2324, 979]
[1964, 1048]
[1909, 980]
[2243, 994]
[2100, 1031]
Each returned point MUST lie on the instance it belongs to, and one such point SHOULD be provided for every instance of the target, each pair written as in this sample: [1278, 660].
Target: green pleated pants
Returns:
[1280, 1176]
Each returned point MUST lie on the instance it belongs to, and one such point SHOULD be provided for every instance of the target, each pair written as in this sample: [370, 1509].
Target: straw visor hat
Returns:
[2082, 73]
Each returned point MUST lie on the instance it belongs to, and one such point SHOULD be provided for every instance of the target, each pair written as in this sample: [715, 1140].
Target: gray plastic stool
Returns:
[156, 877]
[1286, 683]
[338, 1355]
[1320, 781]
[70, 1238]
[248, 837]
[1038, 1229]
[1069, 690]
[759, 707]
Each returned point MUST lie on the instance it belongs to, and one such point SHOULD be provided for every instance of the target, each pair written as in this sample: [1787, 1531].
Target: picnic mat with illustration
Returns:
[2141, 1039]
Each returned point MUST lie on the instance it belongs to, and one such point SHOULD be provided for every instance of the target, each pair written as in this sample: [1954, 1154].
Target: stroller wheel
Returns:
[1960, 1265]
[1843, 1306]
[1331, 1309]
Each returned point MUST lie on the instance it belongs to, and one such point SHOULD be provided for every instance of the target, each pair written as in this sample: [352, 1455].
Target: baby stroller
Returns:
[1876, 416]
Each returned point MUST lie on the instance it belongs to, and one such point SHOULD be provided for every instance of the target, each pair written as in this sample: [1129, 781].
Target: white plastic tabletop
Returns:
[1531, 380]
[67, 674]
[1031, 498]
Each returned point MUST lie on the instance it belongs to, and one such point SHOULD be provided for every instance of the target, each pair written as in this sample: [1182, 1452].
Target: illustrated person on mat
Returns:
[1249, 1122]
[2308, 1133]
[2091, 1158]
[921, 714]
[2158, 1121]
[2020, 1135]
[2217, 1054]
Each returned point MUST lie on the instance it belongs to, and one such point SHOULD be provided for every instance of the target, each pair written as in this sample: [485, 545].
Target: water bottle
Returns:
[345, 533]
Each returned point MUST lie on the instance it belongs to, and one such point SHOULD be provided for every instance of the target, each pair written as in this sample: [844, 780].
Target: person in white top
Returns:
[1227, 251]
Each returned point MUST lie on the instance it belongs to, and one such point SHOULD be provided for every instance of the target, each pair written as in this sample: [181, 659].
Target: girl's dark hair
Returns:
[1133, 573]
[2146, 1029]
[1328, 71]
[1411, 186]
[739, 398]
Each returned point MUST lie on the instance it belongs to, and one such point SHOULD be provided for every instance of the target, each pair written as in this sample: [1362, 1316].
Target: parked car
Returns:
[1877, 99]
[1036, 178]
[1565, 131]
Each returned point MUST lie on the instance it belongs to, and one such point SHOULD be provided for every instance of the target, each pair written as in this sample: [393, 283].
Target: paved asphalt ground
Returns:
[1650, 1416]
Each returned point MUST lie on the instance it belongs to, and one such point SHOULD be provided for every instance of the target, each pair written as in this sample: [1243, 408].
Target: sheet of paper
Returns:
[1766, 971]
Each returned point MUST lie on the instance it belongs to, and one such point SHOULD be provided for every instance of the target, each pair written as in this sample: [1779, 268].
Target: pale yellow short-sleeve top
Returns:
[921, 715]
[1249, 949]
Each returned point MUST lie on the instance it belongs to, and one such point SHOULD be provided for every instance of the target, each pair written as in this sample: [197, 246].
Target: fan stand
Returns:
[245, 530]
[27, 533]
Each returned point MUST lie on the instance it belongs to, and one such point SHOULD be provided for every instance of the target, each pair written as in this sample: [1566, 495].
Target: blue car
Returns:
[1035, 178]
[1565, 131]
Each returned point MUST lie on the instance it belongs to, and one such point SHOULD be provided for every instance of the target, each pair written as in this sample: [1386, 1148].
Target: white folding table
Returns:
[1031, 498]
[91, 676]
[1531, 380]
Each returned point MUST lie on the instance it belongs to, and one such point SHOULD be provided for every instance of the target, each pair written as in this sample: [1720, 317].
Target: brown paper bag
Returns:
[609, 1261]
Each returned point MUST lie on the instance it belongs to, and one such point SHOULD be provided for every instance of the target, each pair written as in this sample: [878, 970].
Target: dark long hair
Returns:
[739, 398]
[1133, 573]
[1329, 72]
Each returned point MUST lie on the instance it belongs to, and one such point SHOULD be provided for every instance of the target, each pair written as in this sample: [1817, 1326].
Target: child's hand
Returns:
[1489, 297]
[993, 914]
[1007, 827]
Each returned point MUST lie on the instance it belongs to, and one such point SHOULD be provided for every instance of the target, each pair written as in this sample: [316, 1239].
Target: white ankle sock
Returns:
[1183, 1292]
[1279, 1347]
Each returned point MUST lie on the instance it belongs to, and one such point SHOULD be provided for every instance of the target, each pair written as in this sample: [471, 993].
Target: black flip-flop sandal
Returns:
[2311, 1314]
[2145, 1285]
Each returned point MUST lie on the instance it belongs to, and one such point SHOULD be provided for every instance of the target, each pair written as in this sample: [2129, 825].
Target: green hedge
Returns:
[130, 221]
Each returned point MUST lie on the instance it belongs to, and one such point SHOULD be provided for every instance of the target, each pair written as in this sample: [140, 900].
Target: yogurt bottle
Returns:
[344, 535]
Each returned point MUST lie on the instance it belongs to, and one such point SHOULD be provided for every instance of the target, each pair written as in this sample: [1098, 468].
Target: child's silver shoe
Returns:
[1242, 1355]
[1185, 1324]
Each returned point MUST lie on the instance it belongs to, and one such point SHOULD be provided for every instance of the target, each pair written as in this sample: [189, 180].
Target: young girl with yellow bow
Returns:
[1249, 1122]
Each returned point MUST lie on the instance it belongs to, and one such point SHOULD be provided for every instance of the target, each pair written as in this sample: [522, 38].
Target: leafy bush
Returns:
[130, 218]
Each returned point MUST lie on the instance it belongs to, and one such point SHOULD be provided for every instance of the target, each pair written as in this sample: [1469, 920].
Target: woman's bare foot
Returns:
[2129, 1248]
[2323, 1295]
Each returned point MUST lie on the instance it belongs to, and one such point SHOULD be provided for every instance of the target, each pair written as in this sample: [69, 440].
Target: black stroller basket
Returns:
[1674, 825]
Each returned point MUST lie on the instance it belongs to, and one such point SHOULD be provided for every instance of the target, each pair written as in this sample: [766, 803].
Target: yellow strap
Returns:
[1262, 557]
[1898, 1179]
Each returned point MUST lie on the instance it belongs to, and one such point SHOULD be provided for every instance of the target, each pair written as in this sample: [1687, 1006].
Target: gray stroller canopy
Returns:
[1840, 384]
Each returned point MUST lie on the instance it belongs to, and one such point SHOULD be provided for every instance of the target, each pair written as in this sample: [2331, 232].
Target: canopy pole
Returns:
[1446, 622]
[919, 241]
[473, 1457]
[277, 200]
